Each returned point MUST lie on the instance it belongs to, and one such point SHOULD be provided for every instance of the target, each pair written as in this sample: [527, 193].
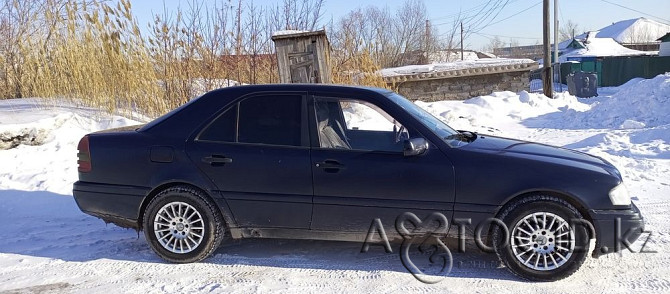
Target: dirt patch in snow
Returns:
[47, 288]
[27, 136]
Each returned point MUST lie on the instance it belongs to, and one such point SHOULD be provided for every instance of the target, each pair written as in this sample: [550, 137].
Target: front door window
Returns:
[357, 125]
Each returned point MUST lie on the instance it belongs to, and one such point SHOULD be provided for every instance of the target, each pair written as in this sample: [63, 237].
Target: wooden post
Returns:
[555, 31]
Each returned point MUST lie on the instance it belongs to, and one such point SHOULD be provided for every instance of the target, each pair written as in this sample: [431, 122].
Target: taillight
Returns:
[84, 155]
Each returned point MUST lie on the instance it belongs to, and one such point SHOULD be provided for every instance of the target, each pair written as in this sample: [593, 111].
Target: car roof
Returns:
[185, 118]
[303, 87]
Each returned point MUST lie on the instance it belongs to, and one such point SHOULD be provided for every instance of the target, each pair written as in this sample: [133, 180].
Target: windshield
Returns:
[452, 137]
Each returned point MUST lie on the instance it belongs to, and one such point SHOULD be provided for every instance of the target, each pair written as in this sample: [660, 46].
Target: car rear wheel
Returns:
[547, 238]
[182, 225]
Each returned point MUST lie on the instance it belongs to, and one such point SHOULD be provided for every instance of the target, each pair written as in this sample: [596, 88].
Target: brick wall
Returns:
[461, 88]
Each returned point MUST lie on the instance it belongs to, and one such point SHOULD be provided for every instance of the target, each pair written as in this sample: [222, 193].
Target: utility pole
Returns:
[462, 58]
[547, 84]
[555, 31]
[427, 36]
[427, 46]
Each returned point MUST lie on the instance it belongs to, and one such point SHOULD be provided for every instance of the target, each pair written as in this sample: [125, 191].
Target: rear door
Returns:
[363, 174]
[257, 154]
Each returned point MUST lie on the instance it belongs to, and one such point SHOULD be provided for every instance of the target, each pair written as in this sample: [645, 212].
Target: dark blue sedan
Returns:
[341, 163]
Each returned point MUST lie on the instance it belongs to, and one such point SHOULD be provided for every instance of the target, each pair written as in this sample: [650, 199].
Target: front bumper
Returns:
[616, 230]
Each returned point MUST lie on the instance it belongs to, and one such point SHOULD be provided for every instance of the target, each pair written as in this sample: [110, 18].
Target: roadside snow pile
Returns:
[488, 113]
[637, 104]
[640, 103]
[52, 165]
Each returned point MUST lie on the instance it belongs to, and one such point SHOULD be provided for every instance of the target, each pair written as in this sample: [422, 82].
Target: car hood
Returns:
[503, 146]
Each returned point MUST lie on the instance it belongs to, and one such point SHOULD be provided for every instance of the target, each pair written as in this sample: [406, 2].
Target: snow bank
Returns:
[488, 113]
[636, 104]
[52, 164]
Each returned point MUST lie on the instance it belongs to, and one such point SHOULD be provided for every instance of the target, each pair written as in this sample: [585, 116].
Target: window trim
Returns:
[304, 121]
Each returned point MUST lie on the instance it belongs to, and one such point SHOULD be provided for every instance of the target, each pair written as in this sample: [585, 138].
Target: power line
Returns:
[631, 9]
[474, 22]
[495, 7]
[464, 14]
[482, 15]
[465, 18]
[478, 17]
[503, 36]
[483, 35]
[513, 15]
[560, 11]
[451, 16]
[496, 15]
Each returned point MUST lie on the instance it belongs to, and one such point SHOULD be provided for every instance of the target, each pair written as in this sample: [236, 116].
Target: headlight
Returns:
[619, 195]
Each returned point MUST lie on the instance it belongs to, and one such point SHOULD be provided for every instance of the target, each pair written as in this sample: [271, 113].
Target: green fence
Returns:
[615, 71]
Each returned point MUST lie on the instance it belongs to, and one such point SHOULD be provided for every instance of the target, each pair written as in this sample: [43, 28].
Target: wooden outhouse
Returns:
[302, 57]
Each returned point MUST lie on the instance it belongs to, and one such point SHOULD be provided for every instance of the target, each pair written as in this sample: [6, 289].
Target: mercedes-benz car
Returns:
[329, 162]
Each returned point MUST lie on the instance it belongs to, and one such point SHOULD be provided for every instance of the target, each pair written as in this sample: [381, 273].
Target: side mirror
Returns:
[415, 146]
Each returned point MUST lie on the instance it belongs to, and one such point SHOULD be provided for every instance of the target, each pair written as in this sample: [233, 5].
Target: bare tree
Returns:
[296, 15]
[643, 34]
[495, 43]
[405, 37]
[410, 29]
[568, 30]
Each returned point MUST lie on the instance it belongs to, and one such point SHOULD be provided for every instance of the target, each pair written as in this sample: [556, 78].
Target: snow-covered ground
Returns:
[48, 245]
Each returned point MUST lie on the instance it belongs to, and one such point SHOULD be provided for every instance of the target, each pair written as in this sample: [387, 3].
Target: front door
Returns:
[360, 172]
[257, 154]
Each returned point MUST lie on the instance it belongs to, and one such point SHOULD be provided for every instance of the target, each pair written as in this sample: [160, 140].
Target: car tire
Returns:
[182, 225]
[542, 245]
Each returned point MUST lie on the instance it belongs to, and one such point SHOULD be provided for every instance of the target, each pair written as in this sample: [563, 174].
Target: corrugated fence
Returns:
[616, 71]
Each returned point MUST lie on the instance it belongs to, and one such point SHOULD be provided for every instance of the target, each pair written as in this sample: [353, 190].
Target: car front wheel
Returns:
[547, 238]
[182, 225]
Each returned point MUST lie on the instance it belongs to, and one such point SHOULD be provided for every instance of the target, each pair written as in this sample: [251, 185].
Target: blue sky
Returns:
[525, 27]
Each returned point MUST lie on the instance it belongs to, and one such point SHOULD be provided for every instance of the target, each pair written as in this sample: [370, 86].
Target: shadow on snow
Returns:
[49, 225]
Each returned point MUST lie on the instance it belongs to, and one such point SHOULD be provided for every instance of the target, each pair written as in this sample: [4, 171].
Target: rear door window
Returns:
[264, 119]
[271, 119]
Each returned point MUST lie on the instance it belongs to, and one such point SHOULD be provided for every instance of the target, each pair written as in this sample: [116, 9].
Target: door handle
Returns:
[217, 159]
[330, 165]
